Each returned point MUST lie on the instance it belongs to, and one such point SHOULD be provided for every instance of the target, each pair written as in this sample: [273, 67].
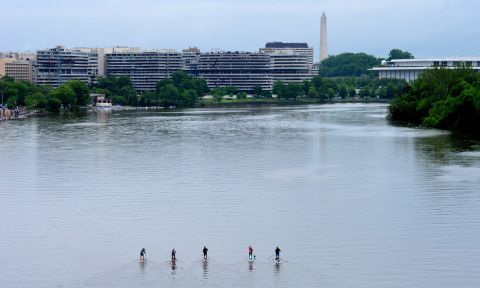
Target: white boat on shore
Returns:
[100, 102]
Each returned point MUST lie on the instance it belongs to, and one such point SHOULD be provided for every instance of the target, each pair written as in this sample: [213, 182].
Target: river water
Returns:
[351, 200]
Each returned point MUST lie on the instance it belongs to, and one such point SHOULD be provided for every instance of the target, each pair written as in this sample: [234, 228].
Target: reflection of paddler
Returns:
[142, 254]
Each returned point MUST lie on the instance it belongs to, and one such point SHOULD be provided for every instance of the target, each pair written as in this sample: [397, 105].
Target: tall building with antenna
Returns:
[323, 37]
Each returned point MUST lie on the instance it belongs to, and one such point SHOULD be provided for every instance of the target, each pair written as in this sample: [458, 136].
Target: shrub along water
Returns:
[70, 95]
[441, 98]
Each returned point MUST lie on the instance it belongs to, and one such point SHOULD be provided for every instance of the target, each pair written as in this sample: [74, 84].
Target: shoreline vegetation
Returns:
[440, 98]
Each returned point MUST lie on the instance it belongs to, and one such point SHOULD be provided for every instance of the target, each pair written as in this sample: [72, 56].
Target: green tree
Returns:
[312, 92]
[343, 91]
[442, 98]
[169, 95]
[257, 90]
[189, 97]
[266, 94]
[348, 64]
[279, 89]
[399, 54]
[242, 95]
[293, 90]
[53, 105]
[364, 92]
[36, 100]
[81, 91]
[352, 92]
[65, 94]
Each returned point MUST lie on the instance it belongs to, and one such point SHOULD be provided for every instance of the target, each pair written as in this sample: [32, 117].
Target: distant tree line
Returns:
[356, 64]
[70, 95]
[179, 89]
[328, 88]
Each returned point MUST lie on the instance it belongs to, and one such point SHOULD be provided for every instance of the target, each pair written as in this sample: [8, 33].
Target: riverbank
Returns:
[211, 103]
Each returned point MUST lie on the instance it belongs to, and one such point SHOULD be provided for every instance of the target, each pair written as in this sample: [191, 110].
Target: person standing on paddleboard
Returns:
[174, 258]
[250, 252]
[142, 254]
[205, 250]
[277, 253]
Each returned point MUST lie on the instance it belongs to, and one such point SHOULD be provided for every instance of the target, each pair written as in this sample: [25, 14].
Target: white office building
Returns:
[410, 69]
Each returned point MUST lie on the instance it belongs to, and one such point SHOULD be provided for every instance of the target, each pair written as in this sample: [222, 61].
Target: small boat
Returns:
[100, 102]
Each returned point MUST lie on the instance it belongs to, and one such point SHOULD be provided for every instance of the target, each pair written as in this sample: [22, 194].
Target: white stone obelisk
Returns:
[323, 37]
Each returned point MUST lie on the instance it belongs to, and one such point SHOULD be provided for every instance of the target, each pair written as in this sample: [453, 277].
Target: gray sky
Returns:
[423, 27]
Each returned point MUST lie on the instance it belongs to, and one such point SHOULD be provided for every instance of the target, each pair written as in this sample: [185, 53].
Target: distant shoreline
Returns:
[213, 104]
[273, 102]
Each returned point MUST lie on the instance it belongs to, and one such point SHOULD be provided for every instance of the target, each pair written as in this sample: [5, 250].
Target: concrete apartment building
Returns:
[243, 70]
[19, 70]
[290, 67]
[100, 54]
[146, 68]
[297, 48]
[58, 65]
[190, 59]
[291, 62]
[410, 69]
[3, 61]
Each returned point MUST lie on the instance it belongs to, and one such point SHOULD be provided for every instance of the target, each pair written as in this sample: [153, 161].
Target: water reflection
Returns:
[440, 149]
[333, 179]
[205, 268]
[276, 268]
[142, 267]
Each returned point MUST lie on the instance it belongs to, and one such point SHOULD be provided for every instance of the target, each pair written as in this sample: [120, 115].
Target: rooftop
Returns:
[285, 45]
[472, 58]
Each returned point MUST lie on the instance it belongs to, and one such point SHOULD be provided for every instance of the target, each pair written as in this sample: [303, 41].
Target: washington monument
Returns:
[323, 37]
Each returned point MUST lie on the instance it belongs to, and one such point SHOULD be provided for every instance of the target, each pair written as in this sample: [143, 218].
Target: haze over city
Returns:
[426, 28]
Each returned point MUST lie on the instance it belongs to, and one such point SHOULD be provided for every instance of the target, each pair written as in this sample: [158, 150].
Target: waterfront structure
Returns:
[19, 70]
[100, 101]
[323, 37]
[58, 65]
[243, 70]
[146, 68]
[410, 69]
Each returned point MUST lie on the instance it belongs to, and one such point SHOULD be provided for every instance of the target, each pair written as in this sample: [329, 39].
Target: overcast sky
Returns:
[424, 27]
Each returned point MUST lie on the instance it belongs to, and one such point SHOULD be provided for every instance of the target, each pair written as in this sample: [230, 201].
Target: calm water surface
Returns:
[350, 200]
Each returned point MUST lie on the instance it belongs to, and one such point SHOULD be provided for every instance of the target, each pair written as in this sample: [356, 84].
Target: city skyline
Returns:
[370, 26]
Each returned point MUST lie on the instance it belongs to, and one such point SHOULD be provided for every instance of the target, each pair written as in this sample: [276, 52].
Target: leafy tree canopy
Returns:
[441, 98]
[347, 65]
[399, 54]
